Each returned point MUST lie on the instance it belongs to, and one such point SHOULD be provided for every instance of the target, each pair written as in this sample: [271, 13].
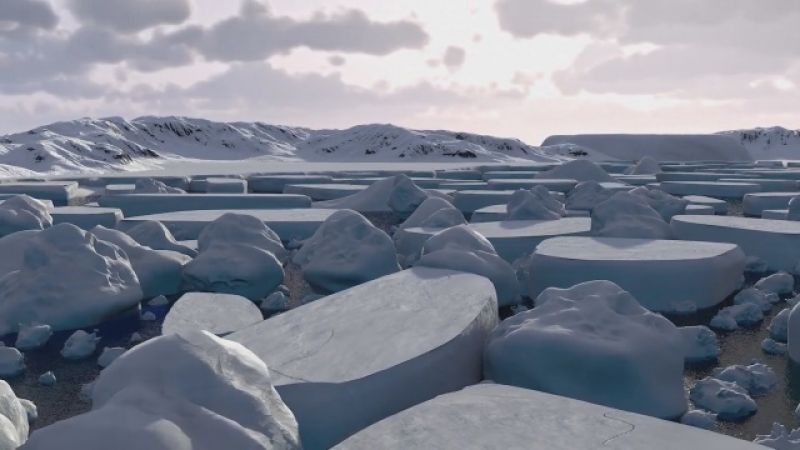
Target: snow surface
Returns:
[101, 281]
[592, 342]
[497, 416]
[661, 274]
[409, 336]
[219, 314]
[768, 143]
[346, 250]
[143, 401]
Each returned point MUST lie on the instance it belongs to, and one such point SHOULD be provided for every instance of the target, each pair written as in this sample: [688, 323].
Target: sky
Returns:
[516, 68]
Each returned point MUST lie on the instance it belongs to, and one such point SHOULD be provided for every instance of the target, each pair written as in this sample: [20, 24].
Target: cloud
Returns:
[23, 15]
[454, 57]
[256, 34]
[337, 60]
[130, 16]
[529, 18]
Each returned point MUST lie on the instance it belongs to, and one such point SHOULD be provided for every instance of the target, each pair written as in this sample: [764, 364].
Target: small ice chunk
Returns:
[12, 362]
[80, 345]
[779, 438]
[729, 400]
[732, 317]
[135, 338]
[700, 344]
[275, 302]
[773, 347]
[779, 326]
[33, 336]
[756, 378]
[781, 283]
[30, 409]
[158, 301]
[148, 316]
[48, 378]
[762, 299]
[700, 419]
[109, 355]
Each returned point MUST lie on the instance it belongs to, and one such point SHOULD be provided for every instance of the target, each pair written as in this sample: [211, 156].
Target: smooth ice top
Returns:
[744, 223]
[420, 308]
[628, 249]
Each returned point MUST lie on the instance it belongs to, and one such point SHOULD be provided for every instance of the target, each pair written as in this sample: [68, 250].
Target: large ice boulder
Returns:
[462, 248]
[68, 279]
[592, 342]
[234, 268]
[628, 215]
[794, 209]
[151, 186]
[665, 204]
[779, 326]
[159, 271]
[646, 166]
[233, 228]
[577, 169]
[781, 283]
[22, 212]
[190, 391]
[535, 204]
[346, 250]
[363, 354]
[586, 195]
[13, 419]
[700, 344]
[434, 212]
[396, 194]
[153, 234]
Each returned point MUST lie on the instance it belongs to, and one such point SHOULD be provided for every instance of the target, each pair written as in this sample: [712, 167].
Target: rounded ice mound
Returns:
[234, 268]
[779, 326]
[628, 215]
[780, 283]
[728, 400]
[535, 204]
[464, 249]
[346, 250]
[700, 344]
[577, 169]
[434, 212]
[151, 186]
[586, 195]
[33, 336]
[592, 342]
[153, 234]
[396, 194]
[80, 345]
[159, 271]
[732, 317]
[763, 300]
[700, 419]
[756, 378]
[13, 419]
[665, 204]
[232, 228]
[203, 391]
[646, 166]
[773, 347]
[101, 282]
[12, 362]
[22, 212]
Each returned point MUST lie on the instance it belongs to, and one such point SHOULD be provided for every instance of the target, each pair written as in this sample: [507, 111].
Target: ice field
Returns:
[562, 305]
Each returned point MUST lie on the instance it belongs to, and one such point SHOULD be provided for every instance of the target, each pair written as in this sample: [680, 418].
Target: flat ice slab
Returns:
[553, 184]
[496, 213]
[720, 206]
[777, 242]
[778, 214]
[87, 217]
[768, 185]
[141, 204]
[274, 184]
[710, 188]
[754, 204]
[663, 275]
[688, 176]
[706, 210]
[497, 416]
[321, 192]
[355, 357]
[298, 223]
[61, 193]
[219, 314]
[512, 238]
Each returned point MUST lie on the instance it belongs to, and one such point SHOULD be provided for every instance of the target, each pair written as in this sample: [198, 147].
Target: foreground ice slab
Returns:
[664, 276]
[141, 204]
[358, 356]
[498, 416]
[218, 314]
[754, 204]
[777, 242]
[87, 217]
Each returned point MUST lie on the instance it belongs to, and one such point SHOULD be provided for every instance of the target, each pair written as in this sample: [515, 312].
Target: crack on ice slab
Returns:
[303, 355]
[618, 435]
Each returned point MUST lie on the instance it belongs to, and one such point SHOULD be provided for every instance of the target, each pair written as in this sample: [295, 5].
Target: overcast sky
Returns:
[522, 68]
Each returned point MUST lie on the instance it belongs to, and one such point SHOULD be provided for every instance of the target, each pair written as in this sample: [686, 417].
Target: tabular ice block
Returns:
[720, 206]
[777, 242]
[497, 213]
[297, 223]
[498, 416]
[360, 355]
[663, 275]
[274, 184]
[324, 192]
[551, 184]
[141, 204]
[87, 217]
[754, 204]
[219, 314]
[61, 193]
[710, 188]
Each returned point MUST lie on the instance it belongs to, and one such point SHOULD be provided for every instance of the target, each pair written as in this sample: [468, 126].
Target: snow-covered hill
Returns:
[769, 143]
[96, 145]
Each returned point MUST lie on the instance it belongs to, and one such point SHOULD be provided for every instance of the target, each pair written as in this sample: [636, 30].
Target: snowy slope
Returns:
[95, 145]
[769, 143]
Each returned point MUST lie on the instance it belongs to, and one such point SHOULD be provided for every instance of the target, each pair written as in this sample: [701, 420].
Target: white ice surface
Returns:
[218, 314]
